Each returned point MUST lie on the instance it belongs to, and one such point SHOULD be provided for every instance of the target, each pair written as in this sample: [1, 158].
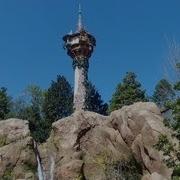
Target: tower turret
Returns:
[80, 46]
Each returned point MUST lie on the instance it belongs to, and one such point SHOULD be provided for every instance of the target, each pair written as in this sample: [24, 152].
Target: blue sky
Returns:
[131, 36]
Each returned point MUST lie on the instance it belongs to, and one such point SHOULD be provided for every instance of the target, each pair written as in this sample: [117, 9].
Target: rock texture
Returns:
[88, 146]
[17, 158]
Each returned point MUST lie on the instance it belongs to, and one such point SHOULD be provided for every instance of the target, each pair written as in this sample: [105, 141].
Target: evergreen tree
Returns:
[29, 107]
[176, 107]
[93, 100]
[163, 93]
[58, 100]
[177, 84]
[38, 126]
[4, 103]
[127, 92]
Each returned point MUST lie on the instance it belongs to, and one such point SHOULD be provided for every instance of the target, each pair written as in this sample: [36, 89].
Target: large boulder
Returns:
[89, 146]
[140, 126]
[17, 157]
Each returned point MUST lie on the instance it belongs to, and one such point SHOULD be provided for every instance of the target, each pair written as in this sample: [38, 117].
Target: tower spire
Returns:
[80, 25]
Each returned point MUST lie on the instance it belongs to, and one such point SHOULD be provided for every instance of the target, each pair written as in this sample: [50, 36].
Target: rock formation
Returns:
[89, 146]
[17, 157]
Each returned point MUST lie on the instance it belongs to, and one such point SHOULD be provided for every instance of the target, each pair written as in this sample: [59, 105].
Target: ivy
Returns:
[84, 63]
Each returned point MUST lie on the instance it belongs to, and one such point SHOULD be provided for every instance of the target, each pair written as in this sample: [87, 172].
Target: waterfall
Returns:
[41, 174]
[52, 168]
[40, 169]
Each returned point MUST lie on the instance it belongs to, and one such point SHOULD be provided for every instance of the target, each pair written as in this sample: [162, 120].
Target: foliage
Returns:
[173, 68]
[93, 100]
[29, 107]
[163, 93]
[19, 108]
[7, 175]
[121, 170]
[171, 153]
[164, 145]
[58, 101]
[176, 173]
[42, 108]
[118, 169]
[176, 115]
[167, 122]
[177, 86]
[5, 103]
[174, 105]
[127, 92]
[30, 167]
[34, 112]
[2, 141]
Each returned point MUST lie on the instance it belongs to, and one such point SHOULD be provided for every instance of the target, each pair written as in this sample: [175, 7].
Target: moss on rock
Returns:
[2, 141]
[8, 175]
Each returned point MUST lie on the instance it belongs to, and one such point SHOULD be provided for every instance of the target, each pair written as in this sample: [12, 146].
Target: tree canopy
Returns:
[4, 103]
[127, 92]
[176, 108]
[94, 101]
[29, 107]
[163, 93]
[58, 101]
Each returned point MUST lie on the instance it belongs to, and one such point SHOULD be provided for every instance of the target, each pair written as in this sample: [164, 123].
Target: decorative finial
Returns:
[80, 26]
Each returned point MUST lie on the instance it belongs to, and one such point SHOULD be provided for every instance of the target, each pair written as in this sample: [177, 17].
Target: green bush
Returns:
[172, 155]
[7, 175]
[124, 170]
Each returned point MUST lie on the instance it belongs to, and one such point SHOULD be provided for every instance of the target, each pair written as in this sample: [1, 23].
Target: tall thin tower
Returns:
[80, 46]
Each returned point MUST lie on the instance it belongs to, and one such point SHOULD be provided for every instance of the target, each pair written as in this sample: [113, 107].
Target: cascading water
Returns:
[41, 174]
[40, 169]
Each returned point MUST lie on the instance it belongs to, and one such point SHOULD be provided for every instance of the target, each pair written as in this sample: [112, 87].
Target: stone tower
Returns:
[80, 46]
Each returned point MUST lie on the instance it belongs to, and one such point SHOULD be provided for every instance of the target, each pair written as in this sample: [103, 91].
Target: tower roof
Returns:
[80, 33]
[80, 44]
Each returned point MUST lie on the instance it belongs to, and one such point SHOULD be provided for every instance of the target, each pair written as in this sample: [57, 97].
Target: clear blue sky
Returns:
[131, 36]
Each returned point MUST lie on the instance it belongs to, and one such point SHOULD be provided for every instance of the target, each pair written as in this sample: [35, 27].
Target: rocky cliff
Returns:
[88, 146]
[17, 157]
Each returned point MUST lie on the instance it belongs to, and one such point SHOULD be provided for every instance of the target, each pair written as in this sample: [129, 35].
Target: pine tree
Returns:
[163, 93]
[127, 92]
[4, 103]
[94, 101]
[58, 100]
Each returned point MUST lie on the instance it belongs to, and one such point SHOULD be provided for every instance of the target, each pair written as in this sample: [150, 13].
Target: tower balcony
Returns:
[79, 46]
